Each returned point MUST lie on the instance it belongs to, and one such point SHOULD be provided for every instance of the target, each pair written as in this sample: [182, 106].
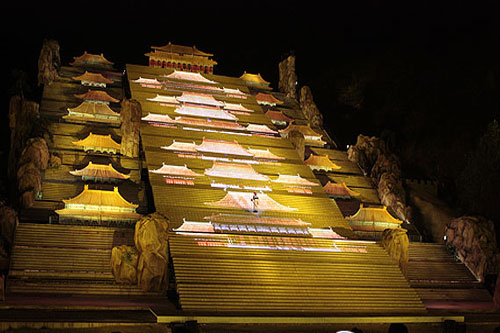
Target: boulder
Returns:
[473, 239]
[373, 157]
[23, 114]
[35, 151]
[309, 108]
[152, 272]
[124, 260]
[288, 78]
[130, 116]
[151, 234]
[49, 62]
[151, 240]
[396, 243]
[8, 223]
[29, 183]
[366, 151]
[298, 141]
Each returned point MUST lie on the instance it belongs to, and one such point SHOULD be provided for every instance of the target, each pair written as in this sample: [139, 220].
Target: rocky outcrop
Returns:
[36, 151]
[33, 160]
[49, 62]
[29, 183]
[396, 243]
[124, 261]
[8, 223]
[298, 141]
[365, 152]
[288, 78]
[23, 114]
[372, 156]
[152, 272]
[147, 263]
[473, 239]
[309, 108]
[151, 240]
[130, 115]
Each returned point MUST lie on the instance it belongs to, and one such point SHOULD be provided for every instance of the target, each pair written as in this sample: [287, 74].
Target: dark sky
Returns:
[253, 35]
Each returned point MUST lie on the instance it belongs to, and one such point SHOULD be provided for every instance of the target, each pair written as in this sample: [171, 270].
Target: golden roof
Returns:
[188, 76]
[222, 147]
[94, 108]
[176, 58]
[278, 116]
[236, 107]
[92, 77]
[306, 130]
[159, 118]
[321, 160]
[255, 79]
[181, 49]
[264, 153]
[208, 123]
[100, 198]
[205, 111]
[99, 171]
[244, 200]
[373, 214]
[198, 98]
[267, 99]
[260, 128]
[176, 170]
[339, 189]
[238, 171]
[96, 140]
[99, 214]
[97, 95]
[89, 58]
[296, 180]
[181, 146]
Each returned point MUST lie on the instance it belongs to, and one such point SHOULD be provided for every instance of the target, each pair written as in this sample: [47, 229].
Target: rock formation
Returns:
[298, 141]
[8, 223]
[151, 240]
[29, 184]
[147, 263]
[474, 241]
[22, 115]
[49, 62]
[124, 261]
[33, 160]
[372, 156]
[396, 243]
[130, 114]
[36, 151]
[288, 77]
[309, 108]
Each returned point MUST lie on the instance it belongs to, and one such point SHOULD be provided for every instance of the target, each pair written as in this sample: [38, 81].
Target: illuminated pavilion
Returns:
[257, 235]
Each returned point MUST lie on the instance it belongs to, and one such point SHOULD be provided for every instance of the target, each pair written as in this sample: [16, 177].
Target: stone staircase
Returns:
[66, 259]
[244, 274]
[441, 280]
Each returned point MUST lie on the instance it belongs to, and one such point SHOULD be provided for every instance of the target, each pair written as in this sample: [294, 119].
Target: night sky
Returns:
[430, 69]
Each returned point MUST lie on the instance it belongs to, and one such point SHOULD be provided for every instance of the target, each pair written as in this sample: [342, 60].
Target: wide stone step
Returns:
[358, 277]
[88, 287]
[451, 294]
